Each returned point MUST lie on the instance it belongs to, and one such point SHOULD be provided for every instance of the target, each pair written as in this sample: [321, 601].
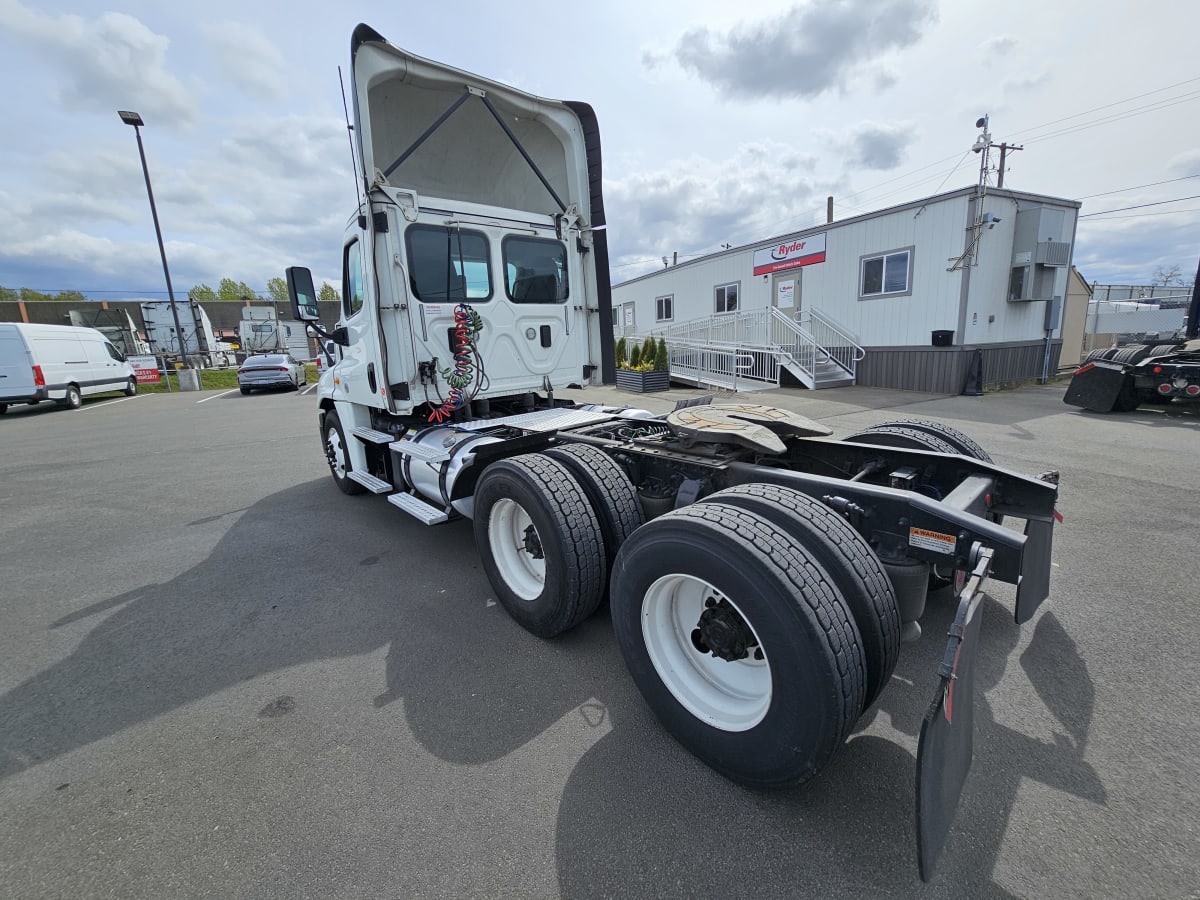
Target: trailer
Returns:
[199, 342]
[761, 575]
[1120, 379]
[116, 325]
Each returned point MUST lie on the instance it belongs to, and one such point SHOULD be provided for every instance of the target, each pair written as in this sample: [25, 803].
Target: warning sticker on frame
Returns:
[931, 540]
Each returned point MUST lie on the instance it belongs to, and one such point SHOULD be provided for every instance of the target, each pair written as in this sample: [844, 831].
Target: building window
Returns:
[664, 308]
[727, 298]
[886, 275]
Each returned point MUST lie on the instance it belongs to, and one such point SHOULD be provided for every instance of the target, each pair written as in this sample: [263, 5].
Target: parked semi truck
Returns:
[761, 575]
[200, 343]
[262, 331]
[1120, 379]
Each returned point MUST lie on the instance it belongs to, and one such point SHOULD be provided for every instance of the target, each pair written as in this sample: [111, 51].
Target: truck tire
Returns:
[1162, 349]
[73, 400]
[3, 408]
[897, 435]
[923, 434]
[613, 496]
[849, 560]
[1133, 354]
[131, 388]
[337, 454]
[739, 641]
[540, 543]
[961, 442]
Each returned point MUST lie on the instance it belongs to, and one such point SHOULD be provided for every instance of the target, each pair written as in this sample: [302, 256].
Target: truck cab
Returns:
[469, 267]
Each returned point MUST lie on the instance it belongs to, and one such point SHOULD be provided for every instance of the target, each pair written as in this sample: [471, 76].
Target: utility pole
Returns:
[1004, 148]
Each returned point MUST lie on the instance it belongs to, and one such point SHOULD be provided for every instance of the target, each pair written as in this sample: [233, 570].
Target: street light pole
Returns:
[132, 118]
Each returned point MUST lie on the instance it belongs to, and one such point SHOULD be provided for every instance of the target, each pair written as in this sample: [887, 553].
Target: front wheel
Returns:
[739, 641]
[337, 454]
[540, 543]
[131, 388]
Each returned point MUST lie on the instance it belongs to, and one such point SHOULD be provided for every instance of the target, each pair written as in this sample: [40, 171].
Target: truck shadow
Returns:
[638, 814]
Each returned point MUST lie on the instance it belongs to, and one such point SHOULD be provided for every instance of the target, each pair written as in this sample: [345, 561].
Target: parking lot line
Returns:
[107, 402]
[215, 396]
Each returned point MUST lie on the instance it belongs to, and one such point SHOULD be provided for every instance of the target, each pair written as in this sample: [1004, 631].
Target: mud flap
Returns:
[1034, 584]
[947, 732]
[1096, 386]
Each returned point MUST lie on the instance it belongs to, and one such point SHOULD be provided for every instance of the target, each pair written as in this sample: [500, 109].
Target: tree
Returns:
[31, 296]
[1166, 275]
[71, 296]
[231, 291]
[619, 354]
[9, 295]
[277, 290]
[202, 293]
[328, 293]
[662, 362]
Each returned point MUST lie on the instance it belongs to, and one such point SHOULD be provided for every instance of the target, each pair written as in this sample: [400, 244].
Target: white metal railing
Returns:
[836, 343]
[737, 366]
[750, 347]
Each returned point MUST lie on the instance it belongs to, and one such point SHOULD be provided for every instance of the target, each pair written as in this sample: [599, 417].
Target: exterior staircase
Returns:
[749, 351]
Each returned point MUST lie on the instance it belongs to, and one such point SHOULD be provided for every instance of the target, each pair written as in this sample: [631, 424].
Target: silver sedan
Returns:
[271, 370]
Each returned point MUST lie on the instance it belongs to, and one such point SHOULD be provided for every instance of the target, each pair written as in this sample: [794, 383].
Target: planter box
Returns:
[642, 382]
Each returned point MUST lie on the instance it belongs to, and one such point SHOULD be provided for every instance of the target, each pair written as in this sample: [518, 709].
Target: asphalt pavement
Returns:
[220, 677]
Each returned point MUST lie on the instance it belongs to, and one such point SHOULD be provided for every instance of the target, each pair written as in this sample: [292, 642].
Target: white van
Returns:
[58, 362]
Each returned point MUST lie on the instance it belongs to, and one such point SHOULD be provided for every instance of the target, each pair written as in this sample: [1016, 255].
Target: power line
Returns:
[1140, 206]
[1062, 119]
[1174, 212]
[1138, 187]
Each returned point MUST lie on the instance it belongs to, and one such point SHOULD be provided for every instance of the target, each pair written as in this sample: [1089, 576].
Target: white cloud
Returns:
[806, 51]
[108, 63]
[247, 60]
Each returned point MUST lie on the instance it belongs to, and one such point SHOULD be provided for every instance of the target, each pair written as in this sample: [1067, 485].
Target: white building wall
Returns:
[937, 233]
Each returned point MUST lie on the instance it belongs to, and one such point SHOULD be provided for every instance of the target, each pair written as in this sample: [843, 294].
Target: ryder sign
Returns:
[790, 255]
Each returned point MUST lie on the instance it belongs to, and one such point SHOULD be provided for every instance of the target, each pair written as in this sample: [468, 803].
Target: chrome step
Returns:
[420, 452]
[370, 482]
[419, 509]
[371, 436]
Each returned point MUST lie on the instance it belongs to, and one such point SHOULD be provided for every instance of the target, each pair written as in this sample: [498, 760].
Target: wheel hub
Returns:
[722, 632]
[533, 543]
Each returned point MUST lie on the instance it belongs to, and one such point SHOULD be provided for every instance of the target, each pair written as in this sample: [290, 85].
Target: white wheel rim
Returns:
[337, 453]
[731, 696]
[508, 525]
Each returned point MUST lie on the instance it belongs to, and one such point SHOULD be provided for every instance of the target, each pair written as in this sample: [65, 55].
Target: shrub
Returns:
[648, 349]
[619, 353]
[635, 357]
[662, 361]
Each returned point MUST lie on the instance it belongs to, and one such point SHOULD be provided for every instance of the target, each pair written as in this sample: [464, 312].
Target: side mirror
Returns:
[302, 295]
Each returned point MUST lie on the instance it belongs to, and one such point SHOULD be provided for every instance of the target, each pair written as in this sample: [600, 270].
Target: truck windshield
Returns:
[448, 264]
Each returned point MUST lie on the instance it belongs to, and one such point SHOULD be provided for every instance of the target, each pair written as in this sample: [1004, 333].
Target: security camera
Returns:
[990, 220]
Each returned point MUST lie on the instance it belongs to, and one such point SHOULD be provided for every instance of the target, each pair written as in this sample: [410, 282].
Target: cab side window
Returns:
[352, 279]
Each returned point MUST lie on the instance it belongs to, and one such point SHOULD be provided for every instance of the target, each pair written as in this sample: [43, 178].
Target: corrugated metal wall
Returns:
[943, 370]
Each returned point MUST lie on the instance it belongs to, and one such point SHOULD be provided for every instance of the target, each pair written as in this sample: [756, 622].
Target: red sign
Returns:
[790, 255]
[145, 369]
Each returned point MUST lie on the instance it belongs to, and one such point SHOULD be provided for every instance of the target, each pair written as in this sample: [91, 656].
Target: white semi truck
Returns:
[200, 343]
[262, 331]
[761, 574]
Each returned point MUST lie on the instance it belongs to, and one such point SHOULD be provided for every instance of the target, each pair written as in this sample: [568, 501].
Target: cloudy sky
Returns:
[722, 122]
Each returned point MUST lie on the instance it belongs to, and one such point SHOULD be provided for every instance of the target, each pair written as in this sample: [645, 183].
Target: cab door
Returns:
[360, 371]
